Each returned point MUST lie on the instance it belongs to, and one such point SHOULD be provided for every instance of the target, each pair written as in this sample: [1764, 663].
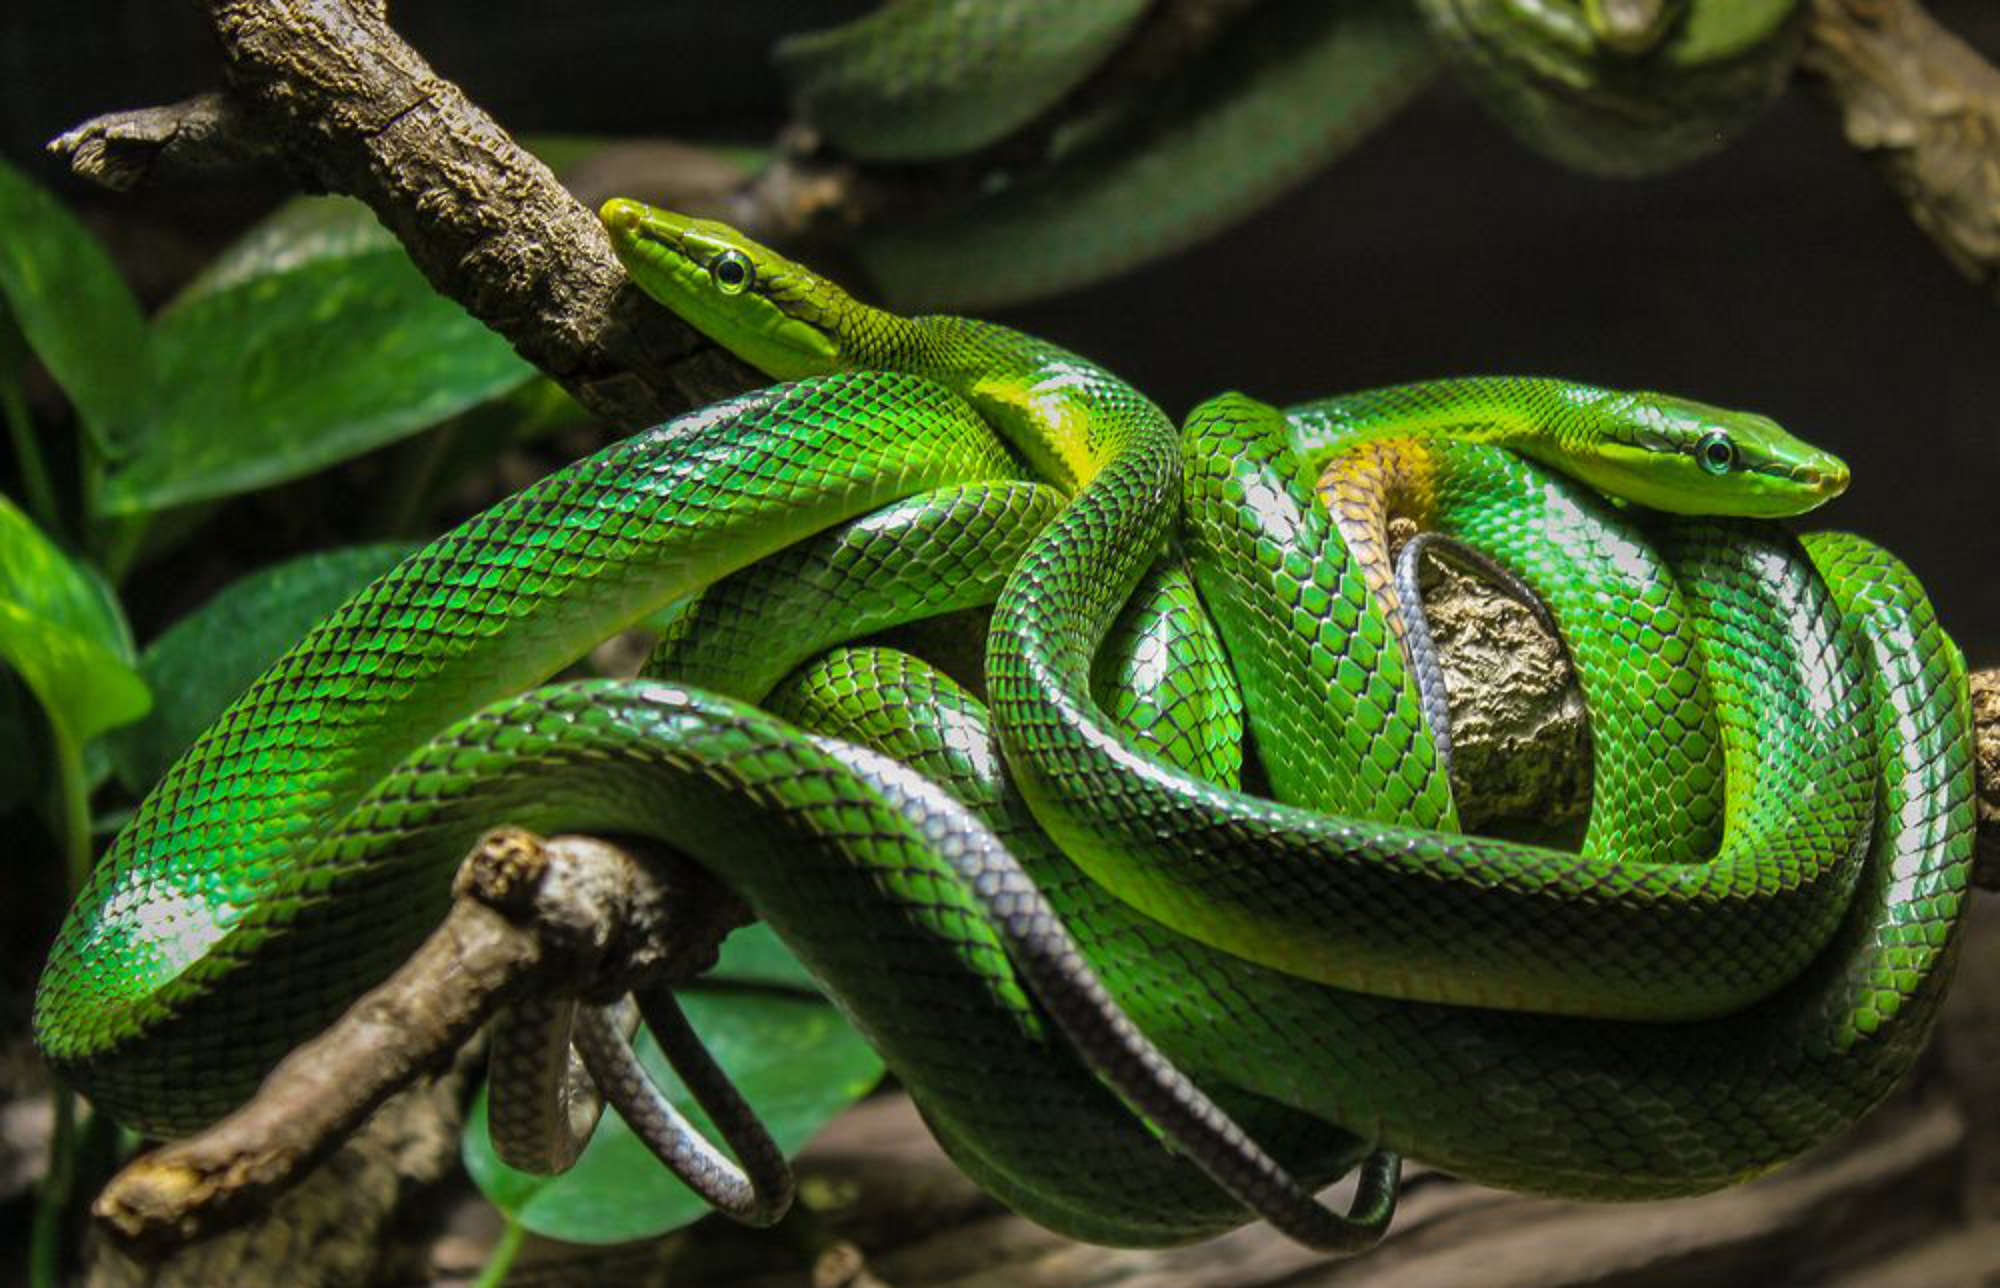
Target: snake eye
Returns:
[1715, 452]
[731, 272]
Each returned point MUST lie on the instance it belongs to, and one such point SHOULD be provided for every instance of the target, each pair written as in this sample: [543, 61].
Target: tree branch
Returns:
[567, 917]
[328, 90]
[200, 137]
[1926, 107]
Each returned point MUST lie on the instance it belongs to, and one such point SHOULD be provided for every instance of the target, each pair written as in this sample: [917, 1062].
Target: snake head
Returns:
[780, 317]
[1686, 457]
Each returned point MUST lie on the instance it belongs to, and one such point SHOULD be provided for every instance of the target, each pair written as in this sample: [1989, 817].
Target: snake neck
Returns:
[1538, 417]
[1649, 448]
[1062, 413]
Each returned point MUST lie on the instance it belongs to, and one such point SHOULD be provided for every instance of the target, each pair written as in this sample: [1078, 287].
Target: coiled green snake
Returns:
[1620, 87]
[1642, 1019]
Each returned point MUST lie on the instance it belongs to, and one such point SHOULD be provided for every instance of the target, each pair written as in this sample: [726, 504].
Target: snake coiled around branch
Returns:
[1335, 974]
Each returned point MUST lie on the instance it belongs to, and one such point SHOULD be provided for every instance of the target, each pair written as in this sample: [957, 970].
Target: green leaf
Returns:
[291, 357]
[62, 630]
[75, 311]
[208, 657]
[791, 1055]
[300, 232]
[755, 955]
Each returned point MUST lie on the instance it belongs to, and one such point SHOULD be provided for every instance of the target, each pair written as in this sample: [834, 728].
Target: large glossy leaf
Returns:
[283, 363]
[208, 657]
[61, 629]
[790, 1053]
[301, 231]
[75, 311]
[753, 955]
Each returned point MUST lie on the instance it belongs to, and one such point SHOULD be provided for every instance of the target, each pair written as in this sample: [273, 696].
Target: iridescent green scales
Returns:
[300, 848]
[233, 838]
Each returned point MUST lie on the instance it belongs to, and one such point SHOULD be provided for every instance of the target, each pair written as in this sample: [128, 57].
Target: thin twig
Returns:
[206, 136]
[569, 916]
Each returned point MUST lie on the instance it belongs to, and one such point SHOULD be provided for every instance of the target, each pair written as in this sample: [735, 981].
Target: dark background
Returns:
[1780, 275]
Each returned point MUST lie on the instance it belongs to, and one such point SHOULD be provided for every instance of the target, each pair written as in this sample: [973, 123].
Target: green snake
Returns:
[1280, 89]
[1622, 87]
[301, 847]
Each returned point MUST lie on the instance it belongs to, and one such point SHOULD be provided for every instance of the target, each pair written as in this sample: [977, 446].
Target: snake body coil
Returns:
[1334, 972]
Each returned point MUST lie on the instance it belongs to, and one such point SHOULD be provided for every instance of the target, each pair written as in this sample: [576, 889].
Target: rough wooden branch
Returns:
[348, 1220]
[1520, 730]
[1521, 734]
[1926, 107]
[329, 90]
[1986, 734]
[201, 137]
[570, 916]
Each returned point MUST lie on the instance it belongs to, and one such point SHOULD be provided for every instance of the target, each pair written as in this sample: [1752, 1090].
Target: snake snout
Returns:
[1827, 480]
[623, 218]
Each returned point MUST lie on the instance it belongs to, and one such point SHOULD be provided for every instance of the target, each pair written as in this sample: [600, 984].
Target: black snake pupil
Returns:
[731, 273]
[1718, 454]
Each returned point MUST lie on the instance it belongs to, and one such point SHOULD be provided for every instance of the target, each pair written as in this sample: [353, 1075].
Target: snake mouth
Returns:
[1829, 483]
[623, 216]
[1823, 481]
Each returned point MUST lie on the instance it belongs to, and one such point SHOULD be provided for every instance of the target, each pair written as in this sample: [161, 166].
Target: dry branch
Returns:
[566, 917]
[345, 105]
[199, 137]
[1926, 107]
